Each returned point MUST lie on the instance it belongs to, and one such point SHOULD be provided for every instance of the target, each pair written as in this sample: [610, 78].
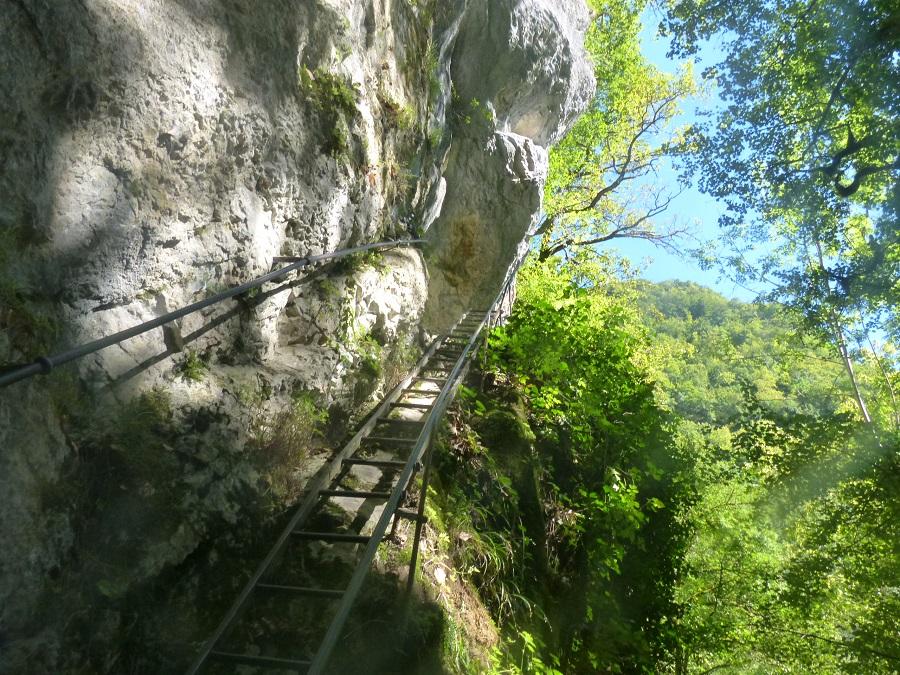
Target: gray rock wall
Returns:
[520, 79]
[153, 152]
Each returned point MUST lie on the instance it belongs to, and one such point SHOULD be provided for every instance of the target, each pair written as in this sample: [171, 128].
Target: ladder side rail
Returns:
[440, 405]
[322, 478]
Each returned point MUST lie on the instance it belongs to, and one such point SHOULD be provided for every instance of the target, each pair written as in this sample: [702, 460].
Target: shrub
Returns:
[288, 439]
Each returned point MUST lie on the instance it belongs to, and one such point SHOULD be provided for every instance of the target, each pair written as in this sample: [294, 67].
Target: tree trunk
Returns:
[841, 343]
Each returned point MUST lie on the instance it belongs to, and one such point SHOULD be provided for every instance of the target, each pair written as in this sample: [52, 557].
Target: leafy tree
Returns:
[806, 153]
[599, 541]
[794, 549]
[792, 556]
[601, 179]
[755, 530]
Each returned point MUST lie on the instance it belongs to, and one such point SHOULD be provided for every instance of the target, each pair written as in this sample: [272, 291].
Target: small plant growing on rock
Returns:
[432, 71]
[327, 289]
[370, 351]
[193, 367]
[283, 443]
[435, 138]
[356, 263]
[329, 91]
[336, 99]
[396, 114]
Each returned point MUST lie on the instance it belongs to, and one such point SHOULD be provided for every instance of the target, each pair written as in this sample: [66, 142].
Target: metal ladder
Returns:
[372, 473]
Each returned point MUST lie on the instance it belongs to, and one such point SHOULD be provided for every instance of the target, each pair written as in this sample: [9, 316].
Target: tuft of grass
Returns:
[284, 442]
[193, 367]
[336, 99]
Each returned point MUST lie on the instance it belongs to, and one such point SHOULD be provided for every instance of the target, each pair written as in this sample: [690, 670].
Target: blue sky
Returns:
[697, 210]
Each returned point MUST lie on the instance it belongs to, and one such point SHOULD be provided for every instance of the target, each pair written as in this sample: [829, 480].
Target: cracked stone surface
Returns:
[154, 152]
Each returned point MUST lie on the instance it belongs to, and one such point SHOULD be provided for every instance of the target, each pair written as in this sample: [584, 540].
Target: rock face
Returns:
[525, 58]
[494, 191]
[153, 152]
[521, 79]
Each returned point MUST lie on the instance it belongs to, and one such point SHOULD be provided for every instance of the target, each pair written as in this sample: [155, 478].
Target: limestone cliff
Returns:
[155, 151]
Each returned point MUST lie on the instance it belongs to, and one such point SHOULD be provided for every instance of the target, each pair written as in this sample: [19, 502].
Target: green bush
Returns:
[329, 92]
[550, 489]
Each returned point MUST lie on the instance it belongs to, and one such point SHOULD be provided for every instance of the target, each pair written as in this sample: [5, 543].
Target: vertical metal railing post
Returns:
[420, 516]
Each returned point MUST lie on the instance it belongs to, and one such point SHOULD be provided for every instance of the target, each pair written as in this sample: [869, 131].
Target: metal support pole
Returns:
[420, 516]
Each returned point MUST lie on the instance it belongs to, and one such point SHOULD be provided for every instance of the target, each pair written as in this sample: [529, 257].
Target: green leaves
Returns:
[793, 526]
[805, 155]
[600, 182]
[575, 351]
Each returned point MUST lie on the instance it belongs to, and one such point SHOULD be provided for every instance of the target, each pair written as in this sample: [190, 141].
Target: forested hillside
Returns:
[794, 550]
[715, 347]
[680, 488]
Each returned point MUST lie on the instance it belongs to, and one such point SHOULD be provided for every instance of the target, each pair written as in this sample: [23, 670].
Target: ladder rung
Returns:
[389, 420]
[377, 463]
[264, 661]
[302, 590]
[413, 406]
[331, 536]
[360, 494]
[422, 392]
[388, 440]
[432, 379]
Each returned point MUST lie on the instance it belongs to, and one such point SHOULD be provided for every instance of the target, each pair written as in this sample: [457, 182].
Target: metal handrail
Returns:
[423, 443]
[44, 364]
